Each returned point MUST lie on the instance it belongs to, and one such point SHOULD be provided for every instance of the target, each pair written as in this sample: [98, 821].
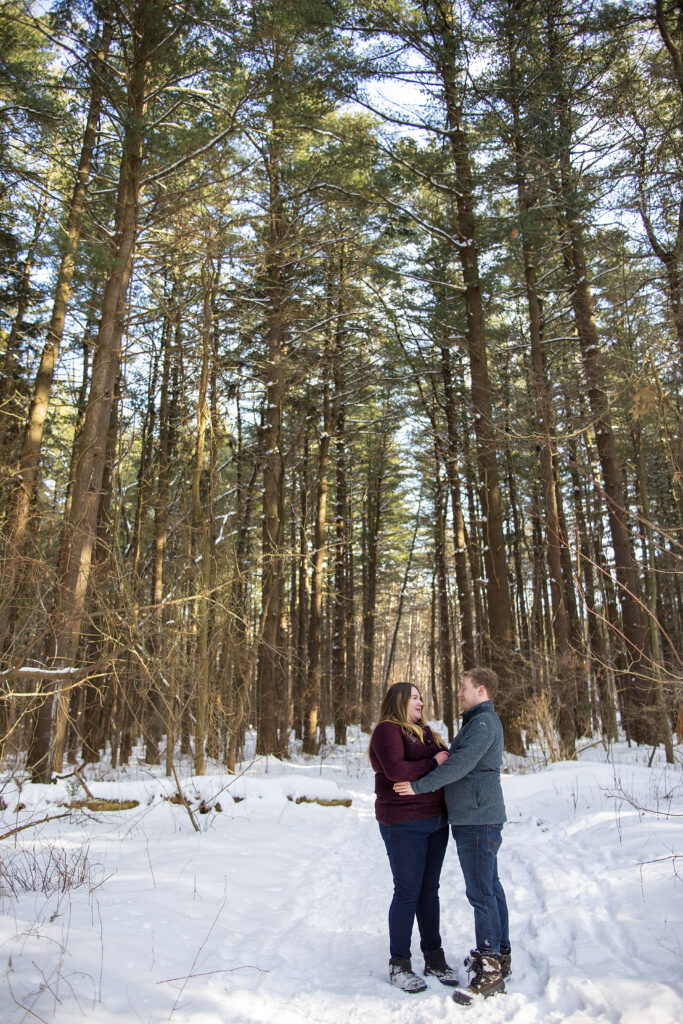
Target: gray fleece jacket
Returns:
[471, 775]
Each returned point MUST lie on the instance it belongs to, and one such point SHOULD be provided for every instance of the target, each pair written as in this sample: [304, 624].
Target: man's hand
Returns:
[403, 789]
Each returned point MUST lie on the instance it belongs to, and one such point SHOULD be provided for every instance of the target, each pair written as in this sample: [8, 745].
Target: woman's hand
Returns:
[441, 756]
[403, 789]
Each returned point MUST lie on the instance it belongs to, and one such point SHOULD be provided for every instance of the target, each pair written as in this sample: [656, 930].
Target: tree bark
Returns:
[467, 648]
[201, 529]
[269, 681]
[314, 672]
[444, 645]
[238, 634]
[372, 521]
[340, 681]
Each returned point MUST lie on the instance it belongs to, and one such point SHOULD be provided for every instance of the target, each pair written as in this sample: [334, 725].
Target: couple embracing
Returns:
[414, 775]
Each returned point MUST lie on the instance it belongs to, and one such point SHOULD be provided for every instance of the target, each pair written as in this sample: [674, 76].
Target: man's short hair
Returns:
[483, 677]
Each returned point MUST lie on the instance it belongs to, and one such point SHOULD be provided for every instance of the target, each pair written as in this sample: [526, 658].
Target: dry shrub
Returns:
[540, 714]
[48, 868]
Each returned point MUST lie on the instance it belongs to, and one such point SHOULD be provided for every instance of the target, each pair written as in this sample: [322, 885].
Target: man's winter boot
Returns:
[487, 978]
[435, 964]
[505, 960]
[401, 975]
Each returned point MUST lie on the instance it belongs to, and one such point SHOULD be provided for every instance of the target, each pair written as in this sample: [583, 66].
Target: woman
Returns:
[415, 833]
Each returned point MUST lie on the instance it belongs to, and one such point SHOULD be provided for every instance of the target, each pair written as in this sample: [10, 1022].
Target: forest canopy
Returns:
[341, 342]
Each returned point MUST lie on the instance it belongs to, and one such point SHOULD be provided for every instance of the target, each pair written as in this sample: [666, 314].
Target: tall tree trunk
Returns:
[389, 660]
[481, 629]
[655, 636]
[314, 669]
[639, 696]
[134, 678]
[585, 569]
[238, 635]
[521, 619]
[340, 681]
[269, 682]
[372, 522]
[433, 688]
[201, 529]
[638, 683]
[98, 697]
[27, 473]
[314, 672]
[351, 654]
[467, 649]
[161, 677]
[303, 594]
[444, 646]
[567, 666]
[67, 616]
[502, 655]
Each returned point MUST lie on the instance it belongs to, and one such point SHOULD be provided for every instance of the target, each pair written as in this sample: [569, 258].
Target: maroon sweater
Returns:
[397, 756]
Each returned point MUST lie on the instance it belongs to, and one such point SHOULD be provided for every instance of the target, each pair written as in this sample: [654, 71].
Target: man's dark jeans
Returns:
[478, 847]
[416, 850]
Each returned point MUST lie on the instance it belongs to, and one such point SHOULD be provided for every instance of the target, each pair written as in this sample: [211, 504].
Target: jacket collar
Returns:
[478, 709]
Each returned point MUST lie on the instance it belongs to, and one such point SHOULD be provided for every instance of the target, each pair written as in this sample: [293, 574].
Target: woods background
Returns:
[341, 343]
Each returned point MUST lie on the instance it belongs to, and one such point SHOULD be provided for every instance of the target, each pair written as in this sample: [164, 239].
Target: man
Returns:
[476, 812]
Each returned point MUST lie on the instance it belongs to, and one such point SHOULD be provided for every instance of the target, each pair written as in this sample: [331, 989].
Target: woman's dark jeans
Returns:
[478, 847]
[416, 850]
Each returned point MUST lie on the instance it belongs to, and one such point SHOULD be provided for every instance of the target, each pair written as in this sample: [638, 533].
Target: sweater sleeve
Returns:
[473, 743]
[388, 750]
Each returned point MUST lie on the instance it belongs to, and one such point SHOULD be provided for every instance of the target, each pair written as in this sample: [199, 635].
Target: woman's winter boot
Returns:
[401, 975]
[435, 964]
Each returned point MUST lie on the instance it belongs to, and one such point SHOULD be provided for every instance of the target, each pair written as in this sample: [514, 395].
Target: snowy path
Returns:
[276, 912]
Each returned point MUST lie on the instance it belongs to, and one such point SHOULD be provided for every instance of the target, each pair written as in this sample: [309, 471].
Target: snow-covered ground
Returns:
[275, 911]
